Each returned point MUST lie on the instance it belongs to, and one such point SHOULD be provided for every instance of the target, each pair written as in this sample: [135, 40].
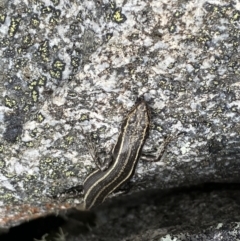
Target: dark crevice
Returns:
[175, 206]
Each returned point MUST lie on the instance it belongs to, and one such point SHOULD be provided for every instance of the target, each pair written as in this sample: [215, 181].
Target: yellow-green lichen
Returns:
[55, 17]
[54, 20]
[108, 36]
[2, 18]
[58, 65]
[84, 117]
[27, 40]
[48, 160]
[79, 16]
[5, 42]
[17, 87]
[158, 128]
[69, 174]
[35, 95]
[55, 2]
[42, 81]
[75, 62]
[15, 22]
[29, 144]
[235, 16]
[9, 102]
[39, 118]
[172, 28]
[35, 22]
[72, 94]
[33, 133]
[69, 139]
[6, 196]
[118, 17]
[32, 84]
[44, 50]
[27, 107]
[56, 74]
[46, 9]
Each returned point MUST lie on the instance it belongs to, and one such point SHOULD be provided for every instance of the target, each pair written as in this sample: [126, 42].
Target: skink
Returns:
[99, 184]
[134, 131]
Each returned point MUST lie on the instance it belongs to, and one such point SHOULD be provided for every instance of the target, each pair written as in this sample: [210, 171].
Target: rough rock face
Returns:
[68, 66]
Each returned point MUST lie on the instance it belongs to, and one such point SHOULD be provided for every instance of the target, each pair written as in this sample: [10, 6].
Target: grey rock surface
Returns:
[82, 64]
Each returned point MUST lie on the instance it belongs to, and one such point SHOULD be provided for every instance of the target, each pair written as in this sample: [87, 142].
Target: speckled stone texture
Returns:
[68, 66]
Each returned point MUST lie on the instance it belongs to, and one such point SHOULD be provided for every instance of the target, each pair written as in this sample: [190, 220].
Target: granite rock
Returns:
[80, 65]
